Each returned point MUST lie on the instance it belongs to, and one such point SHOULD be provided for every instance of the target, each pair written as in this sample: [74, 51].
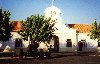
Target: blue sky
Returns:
[73, 11]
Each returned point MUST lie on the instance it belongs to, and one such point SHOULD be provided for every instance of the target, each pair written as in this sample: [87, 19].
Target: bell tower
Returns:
[54, 13]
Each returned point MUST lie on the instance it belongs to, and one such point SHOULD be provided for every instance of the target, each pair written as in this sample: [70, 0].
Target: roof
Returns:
[81, 28]
[16, 26]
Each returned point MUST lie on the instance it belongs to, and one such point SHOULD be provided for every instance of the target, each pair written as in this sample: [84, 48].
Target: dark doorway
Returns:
[80, 46]
[18, 42]
[56, 43]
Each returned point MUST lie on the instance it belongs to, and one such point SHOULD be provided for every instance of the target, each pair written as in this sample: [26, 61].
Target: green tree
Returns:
[37, 28]
[95, 31]
[98, 37]
[4, 25]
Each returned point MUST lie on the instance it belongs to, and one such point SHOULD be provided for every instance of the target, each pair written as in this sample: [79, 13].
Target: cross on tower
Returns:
[52, 2]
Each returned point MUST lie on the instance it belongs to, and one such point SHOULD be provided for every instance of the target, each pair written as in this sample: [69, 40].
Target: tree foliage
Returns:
[4, 25]
[38, 28]
[95, 31]
[98, 32]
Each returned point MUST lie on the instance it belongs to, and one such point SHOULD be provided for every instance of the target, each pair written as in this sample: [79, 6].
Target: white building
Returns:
[67, 38]
[72, 37]
[10, 45]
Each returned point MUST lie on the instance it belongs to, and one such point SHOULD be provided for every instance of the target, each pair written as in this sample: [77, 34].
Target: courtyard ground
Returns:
[56, 58]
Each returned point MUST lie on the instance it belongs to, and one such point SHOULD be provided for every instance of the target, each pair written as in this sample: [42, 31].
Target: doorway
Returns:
[80, 46]
[18, 42]
[56, 43]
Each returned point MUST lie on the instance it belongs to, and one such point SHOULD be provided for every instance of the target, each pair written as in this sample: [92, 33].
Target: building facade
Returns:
[70, 37]
[67, 38]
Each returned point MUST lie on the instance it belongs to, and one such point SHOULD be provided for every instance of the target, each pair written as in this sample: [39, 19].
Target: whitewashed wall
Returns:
[92, 45]
[10, 45]
[63, 36]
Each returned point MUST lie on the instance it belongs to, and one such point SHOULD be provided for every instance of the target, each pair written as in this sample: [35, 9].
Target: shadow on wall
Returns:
[7, 46]
[86, 46]
[90, 45]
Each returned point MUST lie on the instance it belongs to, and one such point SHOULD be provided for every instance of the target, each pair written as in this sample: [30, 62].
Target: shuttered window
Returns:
[69, 43]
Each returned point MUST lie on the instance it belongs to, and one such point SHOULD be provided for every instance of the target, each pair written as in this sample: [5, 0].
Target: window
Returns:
[69, 43]
[98, 44]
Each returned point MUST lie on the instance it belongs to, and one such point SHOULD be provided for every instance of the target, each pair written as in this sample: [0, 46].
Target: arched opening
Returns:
[56, 43]
[18, 42]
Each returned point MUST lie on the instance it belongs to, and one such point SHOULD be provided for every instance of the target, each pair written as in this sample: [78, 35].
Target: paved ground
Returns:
[55, 59]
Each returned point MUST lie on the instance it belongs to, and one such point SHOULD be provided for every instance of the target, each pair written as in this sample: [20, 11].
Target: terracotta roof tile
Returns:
[16, 26]
[81, 28]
